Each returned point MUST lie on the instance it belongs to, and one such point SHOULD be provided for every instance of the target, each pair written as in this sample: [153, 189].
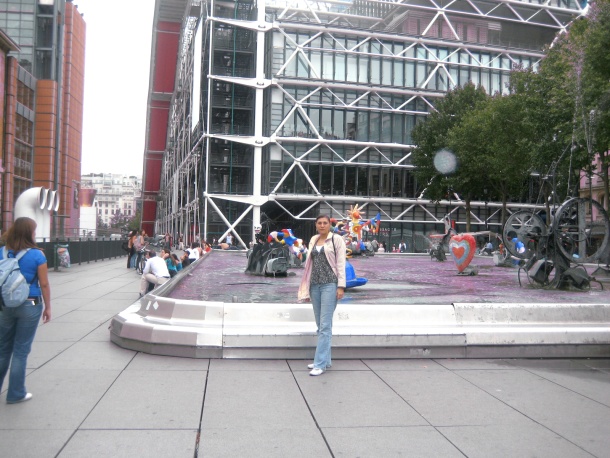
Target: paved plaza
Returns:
[92, 398]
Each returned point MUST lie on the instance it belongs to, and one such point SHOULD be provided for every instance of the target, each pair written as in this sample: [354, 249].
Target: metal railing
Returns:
[82, 250]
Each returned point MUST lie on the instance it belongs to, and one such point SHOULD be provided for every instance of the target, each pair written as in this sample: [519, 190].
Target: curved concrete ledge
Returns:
[166, 326]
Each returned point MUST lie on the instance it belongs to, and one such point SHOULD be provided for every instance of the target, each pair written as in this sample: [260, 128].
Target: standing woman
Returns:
[18, 324]
[324, 283]
[132, 249]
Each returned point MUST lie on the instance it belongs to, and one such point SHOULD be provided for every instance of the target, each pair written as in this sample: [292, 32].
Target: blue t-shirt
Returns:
[28, 265]
[170, 264]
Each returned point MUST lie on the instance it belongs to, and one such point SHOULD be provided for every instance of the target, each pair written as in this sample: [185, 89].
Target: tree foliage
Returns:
[432, 136]
[552, 122]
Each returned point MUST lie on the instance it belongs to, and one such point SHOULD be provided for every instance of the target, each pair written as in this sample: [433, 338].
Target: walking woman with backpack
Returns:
[18, 324]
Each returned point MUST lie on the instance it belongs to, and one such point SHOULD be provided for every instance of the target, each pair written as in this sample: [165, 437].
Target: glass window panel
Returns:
[314, 117]
[362, 181]
[361, 126]
[485, 80]
[410, 76]
[352, 68]
[338, 178]
[442, 80]
[410, 123]
[374, 181]
[384, 178]
[326, 125]
[375, 126]
[433, 82]
[399, 73]
[350, 125]
[495, 82]
[474, 77]
[386, 72]
[340, 67]
[375, 71]
[397, 128]
[326, 179]
[453, 71]
[350, 181]
[464, 76]
[363, 69]
[339, 124]
[421, 74]
[302, 67]
[316, 63]
[386, 127]
[327, 66]
[314, 174]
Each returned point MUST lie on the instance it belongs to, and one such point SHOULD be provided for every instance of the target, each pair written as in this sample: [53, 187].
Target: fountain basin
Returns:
[411, 307]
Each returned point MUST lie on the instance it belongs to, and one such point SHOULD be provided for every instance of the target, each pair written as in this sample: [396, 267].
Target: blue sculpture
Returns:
[350, 276]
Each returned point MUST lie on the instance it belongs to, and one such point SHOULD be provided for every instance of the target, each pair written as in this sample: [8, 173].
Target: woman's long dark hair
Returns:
[20, 235]
[323, 217]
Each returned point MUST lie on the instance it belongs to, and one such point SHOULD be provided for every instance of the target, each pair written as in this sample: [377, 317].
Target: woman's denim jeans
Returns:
[17, 330]
[324, 301]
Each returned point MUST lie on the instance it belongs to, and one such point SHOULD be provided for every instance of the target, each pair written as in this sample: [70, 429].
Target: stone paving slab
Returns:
[130, 444]
[150, 400]
[527, 439]
[92, 398]
[415, 441]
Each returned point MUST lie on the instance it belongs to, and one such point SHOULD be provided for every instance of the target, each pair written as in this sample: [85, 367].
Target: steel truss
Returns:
[442, 41]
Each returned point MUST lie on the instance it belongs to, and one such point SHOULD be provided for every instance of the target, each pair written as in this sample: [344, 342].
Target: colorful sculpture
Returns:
[462, 248]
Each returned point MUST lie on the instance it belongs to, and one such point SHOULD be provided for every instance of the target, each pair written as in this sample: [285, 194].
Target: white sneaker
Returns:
[310, 366]
[315, 372]
[27, 397]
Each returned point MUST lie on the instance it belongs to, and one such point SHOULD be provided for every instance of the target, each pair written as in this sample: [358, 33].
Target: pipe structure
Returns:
[37, 203]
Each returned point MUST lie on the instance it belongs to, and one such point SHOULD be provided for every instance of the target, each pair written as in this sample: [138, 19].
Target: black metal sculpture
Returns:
[553, 256]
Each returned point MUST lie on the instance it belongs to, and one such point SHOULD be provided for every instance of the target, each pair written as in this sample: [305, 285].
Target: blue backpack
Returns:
[15, 289]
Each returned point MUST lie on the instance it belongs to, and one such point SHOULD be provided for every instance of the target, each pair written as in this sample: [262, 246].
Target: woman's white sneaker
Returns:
[310, 366]
[316, 371]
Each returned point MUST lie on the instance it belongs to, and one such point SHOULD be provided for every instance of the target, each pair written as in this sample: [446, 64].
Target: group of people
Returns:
[160, 268]
[135, 242]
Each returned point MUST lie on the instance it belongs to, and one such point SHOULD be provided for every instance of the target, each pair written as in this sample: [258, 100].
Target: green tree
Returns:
[491, 144]
[576, 71]
[133, 224]
[432, 136]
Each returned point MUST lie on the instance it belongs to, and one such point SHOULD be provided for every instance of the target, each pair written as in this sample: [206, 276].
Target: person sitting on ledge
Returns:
[185, 259]
[194, 252]
[177, 262]
[155, 273]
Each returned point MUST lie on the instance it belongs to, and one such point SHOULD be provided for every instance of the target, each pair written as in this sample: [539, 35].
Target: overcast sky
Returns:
[117, 62]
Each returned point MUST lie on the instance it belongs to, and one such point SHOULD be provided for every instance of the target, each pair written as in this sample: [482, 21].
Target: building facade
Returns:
[44, 84]
[115, 194]
[278, 111]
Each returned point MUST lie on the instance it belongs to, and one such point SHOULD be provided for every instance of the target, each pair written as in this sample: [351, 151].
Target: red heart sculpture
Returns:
[462, 248]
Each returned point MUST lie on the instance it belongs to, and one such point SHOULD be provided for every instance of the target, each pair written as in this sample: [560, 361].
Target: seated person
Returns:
[185, 259]
[171, 267]
[177, 262]
[155, 273]
[194, 252]
[489, 248]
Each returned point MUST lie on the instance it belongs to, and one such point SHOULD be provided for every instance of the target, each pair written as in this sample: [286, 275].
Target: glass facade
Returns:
[308, 107]
[30, 23]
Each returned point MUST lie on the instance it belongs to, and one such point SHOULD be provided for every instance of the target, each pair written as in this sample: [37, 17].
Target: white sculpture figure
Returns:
[38, 203]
